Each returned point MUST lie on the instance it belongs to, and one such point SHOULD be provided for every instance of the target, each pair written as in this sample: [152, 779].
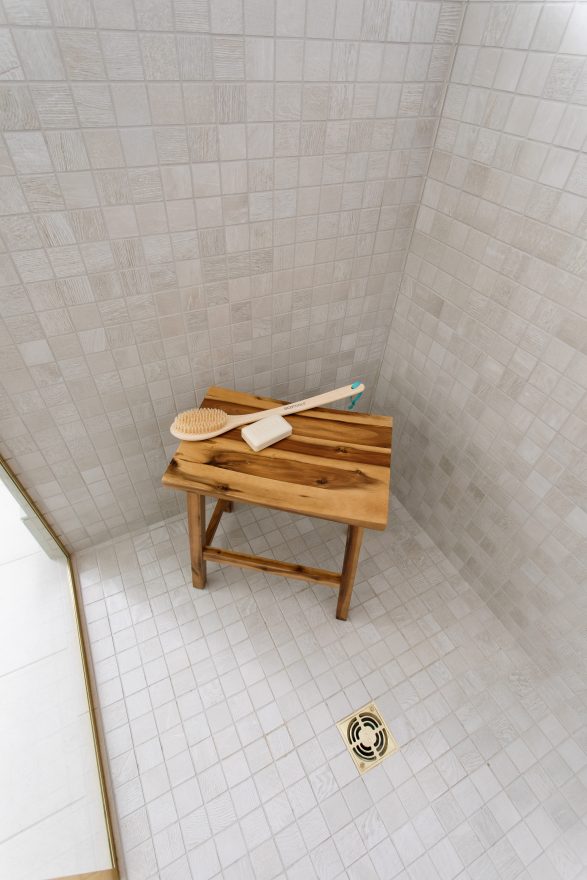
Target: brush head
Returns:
[198, 421]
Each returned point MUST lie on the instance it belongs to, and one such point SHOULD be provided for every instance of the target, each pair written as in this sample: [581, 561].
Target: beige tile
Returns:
[28, 151]
[195, 57]
[82, 55]
[159, 56]
[67, 149]
[39, 54]
[131, 104]
[122, 55]
[55, 105]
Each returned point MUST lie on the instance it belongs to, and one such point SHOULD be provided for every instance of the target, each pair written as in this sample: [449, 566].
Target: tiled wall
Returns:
[196, 193]
[485, 368]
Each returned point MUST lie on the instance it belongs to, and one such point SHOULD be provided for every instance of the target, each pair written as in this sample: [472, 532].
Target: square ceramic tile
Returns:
[232, 695]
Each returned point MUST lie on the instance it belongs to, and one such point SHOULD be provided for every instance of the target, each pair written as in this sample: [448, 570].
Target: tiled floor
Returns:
[220, 710]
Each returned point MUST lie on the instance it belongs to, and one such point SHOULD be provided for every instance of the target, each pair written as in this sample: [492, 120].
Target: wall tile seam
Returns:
[512, 93]
[480, 229]
[533, 219]
[145, 169]
[537, 500]
[572, 243]
[171, 164]
[526, 50]
[486, 163]
[426, 173]
[230, 255]
[539, 99]
[430, 367]
[513, 247]
[367, 273]
[95, 29]
[335, 76]
[507, 4]
[162, 415]
[478, 565]
[348, 213]
[142, 50]
[482, 197]
[134, 199]
[241, 35]
[569, 372]
[519, 545]
[214, 80]
[541, 103]
[179, 394]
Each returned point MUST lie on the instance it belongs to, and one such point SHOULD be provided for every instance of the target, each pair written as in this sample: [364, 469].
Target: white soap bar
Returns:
[265, 432]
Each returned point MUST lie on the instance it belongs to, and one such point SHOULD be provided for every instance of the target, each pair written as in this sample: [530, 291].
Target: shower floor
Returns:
[220, 711]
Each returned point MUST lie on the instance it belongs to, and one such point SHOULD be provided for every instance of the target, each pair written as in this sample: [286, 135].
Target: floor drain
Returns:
[367, 737]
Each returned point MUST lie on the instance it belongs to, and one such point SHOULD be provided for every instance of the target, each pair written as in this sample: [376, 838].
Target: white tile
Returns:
[204, 861]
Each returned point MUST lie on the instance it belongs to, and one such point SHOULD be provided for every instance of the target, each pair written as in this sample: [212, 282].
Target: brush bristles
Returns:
[200, 421]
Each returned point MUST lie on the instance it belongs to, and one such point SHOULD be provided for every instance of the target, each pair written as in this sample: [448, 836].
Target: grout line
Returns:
[424, 180]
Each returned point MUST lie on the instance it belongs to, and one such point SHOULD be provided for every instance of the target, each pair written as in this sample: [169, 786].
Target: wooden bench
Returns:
[335, 466]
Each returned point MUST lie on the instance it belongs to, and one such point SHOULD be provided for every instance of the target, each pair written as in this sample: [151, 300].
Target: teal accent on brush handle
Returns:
[356, 397]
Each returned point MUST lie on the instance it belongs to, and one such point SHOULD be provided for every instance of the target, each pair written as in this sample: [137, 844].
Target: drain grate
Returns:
[367, 737]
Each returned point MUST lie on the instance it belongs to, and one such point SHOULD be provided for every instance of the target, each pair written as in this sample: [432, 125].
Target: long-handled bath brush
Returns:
[203, 424]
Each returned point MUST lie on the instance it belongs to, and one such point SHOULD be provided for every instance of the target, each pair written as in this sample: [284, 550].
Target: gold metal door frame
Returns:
[113, 872]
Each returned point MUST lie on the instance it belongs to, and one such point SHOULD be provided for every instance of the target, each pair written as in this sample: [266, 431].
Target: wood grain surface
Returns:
[274, 566]
[335, 465]
[349, 570]
[197, 534]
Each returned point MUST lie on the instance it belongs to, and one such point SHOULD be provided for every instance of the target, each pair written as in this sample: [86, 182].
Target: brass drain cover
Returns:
[367, 737]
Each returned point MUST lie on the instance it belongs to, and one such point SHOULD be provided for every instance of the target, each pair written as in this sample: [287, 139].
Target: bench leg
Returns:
[196, 533]
[349, 569]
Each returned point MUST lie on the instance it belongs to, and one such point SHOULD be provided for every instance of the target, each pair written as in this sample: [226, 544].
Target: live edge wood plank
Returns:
[335, 466]
[345, 507]
[273, 566]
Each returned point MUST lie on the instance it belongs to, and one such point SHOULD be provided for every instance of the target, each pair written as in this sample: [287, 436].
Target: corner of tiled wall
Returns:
[196, 193]
[485, 368]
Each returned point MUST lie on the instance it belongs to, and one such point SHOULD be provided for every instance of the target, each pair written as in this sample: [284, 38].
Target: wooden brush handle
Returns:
[289, 409]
